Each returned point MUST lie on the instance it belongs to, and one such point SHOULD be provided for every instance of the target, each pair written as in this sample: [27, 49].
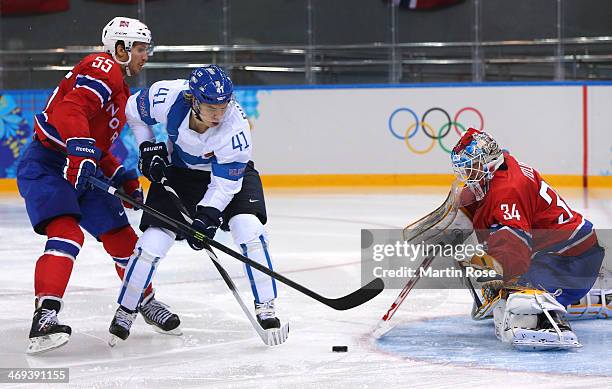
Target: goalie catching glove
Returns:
[485, 262]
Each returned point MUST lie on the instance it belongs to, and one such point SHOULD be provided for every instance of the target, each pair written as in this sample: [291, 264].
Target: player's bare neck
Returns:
[197, 125]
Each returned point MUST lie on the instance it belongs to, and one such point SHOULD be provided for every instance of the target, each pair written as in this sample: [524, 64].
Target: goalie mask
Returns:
[475, 159]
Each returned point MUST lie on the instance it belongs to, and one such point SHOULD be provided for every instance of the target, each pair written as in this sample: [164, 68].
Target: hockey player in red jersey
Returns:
[548, 253]
[73, 135]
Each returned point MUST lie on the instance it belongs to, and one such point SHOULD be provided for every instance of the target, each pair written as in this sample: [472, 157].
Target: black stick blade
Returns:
[358, 297]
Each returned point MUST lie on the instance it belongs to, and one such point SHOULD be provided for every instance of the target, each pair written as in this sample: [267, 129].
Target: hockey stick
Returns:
[421, 230]
[383, 324]
[352, 300]
[272, 336]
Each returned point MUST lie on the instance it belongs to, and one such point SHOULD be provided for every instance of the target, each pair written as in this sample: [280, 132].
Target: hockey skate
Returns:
[532, 320]
[266, 317]
[120, 326]
[552, 332]
[157, 314]
[47, 333]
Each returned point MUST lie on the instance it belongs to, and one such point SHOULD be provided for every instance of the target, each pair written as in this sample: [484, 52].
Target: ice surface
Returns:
[315, 240]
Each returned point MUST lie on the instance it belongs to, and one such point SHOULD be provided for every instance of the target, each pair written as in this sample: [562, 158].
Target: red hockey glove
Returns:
[81, 162]
[128, 181]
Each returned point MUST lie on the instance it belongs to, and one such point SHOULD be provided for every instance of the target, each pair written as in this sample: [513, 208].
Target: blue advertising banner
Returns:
[17, 109]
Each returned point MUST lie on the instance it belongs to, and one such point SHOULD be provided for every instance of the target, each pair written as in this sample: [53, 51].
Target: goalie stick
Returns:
[271, 336]
[422, 229]
[383, 324]
[352, 300]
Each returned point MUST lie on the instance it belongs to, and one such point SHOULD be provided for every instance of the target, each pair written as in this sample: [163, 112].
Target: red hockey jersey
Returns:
[89, 102]
[521, 215]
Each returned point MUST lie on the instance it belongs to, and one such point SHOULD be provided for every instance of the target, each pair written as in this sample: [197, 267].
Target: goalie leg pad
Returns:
[597, 304]
[532, 320]
[152, 246]
[249, 234]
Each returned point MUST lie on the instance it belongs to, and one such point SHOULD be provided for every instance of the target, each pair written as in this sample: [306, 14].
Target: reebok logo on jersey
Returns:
[85, 149]
[253, 201]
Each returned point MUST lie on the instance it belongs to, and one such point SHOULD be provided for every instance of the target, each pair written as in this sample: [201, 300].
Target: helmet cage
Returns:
[476, 162]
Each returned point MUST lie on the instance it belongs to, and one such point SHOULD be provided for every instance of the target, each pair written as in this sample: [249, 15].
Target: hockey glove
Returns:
[485, 262]
[81, 161]
[153, 160]
[206, 221]
[128, 181]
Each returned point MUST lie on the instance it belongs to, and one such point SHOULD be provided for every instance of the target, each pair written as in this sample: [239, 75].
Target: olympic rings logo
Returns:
[411, 130]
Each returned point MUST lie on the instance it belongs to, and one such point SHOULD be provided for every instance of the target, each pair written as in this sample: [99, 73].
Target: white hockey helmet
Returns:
[124, 29]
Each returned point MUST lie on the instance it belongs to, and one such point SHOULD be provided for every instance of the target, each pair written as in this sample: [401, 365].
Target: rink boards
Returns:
[560, 128]
[391, 135]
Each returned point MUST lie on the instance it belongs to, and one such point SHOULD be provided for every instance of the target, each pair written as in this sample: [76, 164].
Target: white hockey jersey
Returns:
[223, 150]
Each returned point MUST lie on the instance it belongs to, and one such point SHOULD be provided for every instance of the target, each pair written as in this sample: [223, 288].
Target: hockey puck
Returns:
[339, 349]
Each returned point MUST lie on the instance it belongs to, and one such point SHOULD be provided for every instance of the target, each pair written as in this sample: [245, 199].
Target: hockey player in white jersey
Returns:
[207, 162]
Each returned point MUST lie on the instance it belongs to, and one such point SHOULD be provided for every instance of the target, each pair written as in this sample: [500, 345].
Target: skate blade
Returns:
[175, 332]
[277, 336]
[545, 347]
[113, 340]
[46, 343]
[543, 341]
